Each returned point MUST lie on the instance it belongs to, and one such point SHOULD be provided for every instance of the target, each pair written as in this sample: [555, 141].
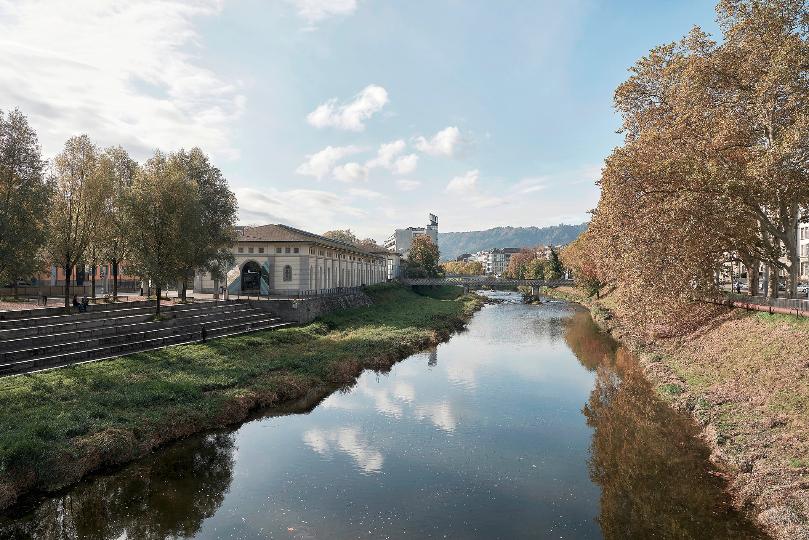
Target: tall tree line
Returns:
[714, 166]
[167, 219]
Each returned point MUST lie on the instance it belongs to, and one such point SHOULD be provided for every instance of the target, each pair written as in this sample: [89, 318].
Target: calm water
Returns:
[531, 424]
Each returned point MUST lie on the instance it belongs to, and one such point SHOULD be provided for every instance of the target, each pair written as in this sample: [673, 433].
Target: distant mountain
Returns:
[453, 244]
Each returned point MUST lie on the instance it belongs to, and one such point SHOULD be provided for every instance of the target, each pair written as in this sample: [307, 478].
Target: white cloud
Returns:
[126, 73]
[530, 185]
[350, 172]
[464, 185]
[315, 11]
[366, 194]
[387, 153]
[408, 185]
[443, 143]
[321, 163]
[405, 164]
[309, 209]
[350, 116]
[388, 156]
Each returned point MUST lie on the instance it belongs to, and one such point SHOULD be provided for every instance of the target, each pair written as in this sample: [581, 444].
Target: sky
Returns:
[360, 114]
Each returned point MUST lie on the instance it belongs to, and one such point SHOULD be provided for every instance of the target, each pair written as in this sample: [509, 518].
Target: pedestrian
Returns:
[204, 334]
[44, 300]
[738, 287]
[75, 302]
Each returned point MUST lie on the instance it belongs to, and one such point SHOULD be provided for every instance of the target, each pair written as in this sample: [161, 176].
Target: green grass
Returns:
[439, 292]
[778, 318]
[116, 410]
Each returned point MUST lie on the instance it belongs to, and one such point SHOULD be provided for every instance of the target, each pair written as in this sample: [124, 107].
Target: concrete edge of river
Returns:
[113, 447]
[777, 497]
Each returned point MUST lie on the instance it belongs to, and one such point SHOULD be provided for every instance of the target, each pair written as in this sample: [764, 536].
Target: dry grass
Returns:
[745, 378]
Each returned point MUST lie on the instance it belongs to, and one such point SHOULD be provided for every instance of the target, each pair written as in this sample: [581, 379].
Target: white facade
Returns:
[276, 259]
[401, 239]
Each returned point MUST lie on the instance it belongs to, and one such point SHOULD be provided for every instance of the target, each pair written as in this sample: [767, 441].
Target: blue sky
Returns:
[361, 114]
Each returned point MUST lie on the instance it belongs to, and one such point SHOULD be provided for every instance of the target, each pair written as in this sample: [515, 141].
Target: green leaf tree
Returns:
[74, 205]
[118, 172]
[24, 197]
[211, 217]
[158, 209]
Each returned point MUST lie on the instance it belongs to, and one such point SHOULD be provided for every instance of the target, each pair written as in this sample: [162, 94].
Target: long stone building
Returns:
[278, 259]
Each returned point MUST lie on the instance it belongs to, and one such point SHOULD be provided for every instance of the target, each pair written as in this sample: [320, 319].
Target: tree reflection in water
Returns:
[653, 470]
[165, 496]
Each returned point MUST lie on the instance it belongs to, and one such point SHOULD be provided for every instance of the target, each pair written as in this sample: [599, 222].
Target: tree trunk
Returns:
[157, 306]
[93, 283]
[773, 282]
[752, 277]
[115, 280]
[794, 272]
[216, 289]
[66, 268]
[185, 287]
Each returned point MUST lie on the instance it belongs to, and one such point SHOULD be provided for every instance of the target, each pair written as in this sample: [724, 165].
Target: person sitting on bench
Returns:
[84, 303]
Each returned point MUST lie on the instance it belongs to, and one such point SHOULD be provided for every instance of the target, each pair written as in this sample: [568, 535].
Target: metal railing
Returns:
[294, 293]
[790, 304]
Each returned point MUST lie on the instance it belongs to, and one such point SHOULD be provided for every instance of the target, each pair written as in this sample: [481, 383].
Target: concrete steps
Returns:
[55, 340]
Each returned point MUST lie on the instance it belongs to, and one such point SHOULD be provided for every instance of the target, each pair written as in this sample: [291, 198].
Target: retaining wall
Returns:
[305, 310]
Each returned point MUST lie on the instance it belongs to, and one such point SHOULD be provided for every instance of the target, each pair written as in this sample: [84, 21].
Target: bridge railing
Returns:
[472, 282]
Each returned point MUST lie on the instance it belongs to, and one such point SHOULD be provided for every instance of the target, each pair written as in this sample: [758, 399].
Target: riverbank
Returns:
[745, 378]
[61, 425]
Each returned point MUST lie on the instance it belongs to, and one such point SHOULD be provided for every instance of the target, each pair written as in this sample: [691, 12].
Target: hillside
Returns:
[453, 244]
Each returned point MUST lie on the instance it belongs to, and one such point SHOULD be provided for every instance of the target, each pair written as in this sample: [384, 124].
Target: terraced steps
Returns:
[56, 340]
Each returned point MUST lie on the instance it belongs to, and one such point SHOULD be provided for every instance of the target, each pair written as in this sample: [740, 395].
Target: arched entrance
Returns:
[251, 276]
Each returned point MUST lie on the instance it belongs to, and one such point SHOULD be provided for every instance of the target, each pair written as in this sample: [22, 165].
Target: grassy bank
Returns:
[745, 378]
[60, 425]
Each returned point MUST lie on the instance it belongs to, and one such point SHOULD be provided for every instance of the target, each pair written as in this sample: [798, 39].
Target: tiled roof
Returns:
[285, 233]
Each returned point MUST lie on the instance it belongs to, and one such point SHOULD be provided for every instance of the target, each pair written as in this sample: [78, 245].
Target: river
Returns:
[529, 424]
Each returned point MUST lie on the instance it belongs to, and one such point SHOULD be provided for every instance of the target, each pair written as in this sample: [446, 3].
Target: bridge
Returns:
[483, 282]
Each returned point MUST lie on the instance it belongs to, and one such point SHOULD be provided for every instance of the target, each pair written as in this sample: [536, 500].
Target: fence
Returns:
[58, 290]
[794, 306]
[295, 293]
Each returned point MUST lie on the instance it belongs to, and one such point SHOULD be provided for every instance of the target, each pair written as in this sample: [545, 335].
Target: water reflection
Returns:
[348, 440]
[164, 497]
[489, 443]
[648, 460]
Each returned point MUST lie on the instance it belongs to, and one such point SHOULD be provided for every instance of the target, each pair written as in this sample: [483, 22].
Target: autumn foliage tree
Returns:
[423, 256]
[714, 166]
[463, 268]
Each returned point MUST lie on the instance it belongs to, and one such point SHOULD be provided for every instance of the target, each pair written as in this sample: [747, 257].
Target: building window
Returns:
[250, 250]
[296, 250]
[278, 250]
[321, 252]
[286, 250]
[241, 250]
[287, 273]
[261, 250]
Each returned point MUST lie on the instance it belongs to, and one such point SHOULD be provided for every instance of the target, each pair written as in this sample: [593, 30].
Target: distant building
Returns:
[281, 259]
[465, 257]
[401, 239]
[498, 260]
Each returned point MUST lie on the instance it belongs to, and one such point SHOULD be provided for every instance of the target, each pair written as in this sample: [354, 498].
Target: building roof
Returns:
[284, 233]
